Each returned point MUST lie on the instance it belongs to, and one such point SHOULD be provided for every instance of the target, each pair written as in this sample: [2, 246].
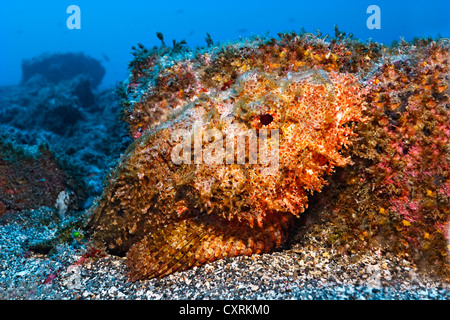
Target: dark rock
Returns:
[82, 90]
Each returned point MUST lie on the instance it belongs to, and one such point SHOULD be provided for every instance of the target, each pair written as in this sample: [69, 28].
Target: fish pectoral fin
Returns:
[193, 242]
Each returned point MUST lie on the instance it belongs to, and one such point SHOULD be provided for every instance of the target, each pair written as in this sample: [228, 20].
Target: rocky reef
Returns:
[33, 177]
[75, 121]
[367, 119]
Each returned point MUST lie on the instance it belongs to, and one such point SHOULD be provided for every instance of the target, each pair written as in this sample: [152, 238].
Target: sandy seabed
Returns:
[304, 271]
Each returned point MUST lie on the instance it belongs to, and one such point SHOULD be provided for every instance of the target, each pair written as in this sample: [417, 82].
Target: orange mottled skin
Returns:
[168, 217]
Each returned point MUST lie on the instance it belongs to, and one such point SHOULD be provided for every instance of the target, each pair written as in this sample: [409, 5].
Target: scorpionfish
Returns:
[222, 171]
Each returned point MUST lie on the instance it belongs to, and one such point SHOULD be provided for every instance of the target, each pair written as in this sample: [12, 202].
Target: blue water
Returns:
[109, 28]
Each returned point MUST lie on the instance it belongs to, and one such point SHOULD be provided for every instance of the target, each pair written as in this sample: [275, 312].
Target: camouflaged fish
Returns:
[181, 198]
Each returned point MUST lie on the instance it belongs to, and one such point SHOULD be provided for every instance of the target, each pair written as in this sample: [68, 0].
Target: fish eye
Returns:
[266, 119]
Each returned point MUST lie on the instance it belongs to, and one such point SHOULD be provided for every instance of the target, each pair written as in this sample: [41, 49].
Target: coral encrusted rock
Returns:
[361, 127]
[31, 177]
